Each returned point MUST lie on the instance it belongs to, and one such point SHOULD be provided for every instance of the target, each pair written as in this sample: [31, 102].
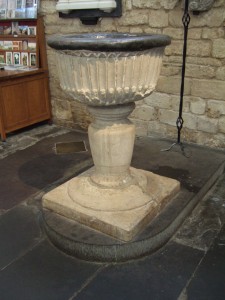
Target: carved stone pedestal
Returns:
[108, 72]
[121, 213]
[112, 197]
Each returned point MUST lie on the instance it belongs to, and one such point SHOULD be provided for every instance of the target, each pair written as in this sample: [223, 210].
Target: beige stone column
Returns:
[111, 137]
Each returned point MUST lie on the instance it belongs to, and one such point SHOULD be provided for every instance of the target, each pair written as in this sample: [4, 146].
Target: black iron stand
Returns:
[185, 20]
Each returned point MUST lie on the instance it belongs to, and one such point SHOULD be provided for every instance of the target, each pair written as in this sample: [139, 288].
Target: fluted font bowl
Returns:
[103, 69]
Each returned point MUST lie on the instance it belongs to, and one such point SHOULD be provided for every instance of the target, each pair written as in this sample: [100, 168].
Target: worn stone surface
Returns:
[120, 213]
[156, 128]
[207, 124]
[200, 5]
[134, 18]
[206, 220]
[220, 74]
[158, 19]
[192, 176]
[218, 49]
[169, 70]
[155, 4]
[215, 108]
[205, 60]
[212, 18]
[171, 85]
[174, 33]
[40, 271]
[139, 279]
[197, 105]
[167, 116]
[126, 77]
[195, 48]
[158, 100]
[37, 164]
[145, 113]
[212, 33]
[141, 127]
[28, 137]
[175, 103]
[208, 89]
[200, 71]
[190, 120]
[222, 125]
[202, 61]
[80, 116]
[114, 198]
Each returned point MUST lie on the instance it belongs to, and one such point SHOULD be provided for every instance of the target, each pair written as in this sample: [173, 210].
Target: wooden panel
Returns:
[37, 99]
[14, 106]
[2, 127]
[41, 43]
[24, 96]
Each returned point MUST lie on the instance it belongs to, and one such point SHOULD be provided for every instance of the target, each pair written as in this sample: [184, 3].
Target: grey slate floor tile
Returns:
[209, 280]
[161, 276]
[27, 172]
[32, 269]
[206, 220]
[19, 231]
[44, 274]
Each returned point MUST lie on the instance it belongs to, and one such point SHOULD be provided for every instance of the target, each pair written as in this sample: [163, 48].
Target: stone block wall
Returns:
[204, 100]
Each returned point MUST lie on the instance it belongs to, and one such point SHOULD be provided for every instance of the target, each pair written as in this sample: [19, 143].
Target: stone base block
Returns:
[121, 213]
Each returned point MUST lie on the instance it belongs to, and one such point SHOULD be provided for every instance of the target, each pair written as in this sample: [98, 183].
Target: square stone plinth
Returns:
[121, 213]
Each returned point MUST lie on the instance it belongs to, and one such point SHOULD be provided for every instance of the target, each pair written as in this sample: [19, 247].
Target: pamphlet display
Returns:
[24, 77]
[18, 34]
[18, 9]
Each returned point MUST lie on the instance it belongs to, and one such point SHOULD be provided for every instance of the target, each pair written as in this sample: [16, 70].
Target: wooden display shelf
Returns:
[24, 94]
[17, 37]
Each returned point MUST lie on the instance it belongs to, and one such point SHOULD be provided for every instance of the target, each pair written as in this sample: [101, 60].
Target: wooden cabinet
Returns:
[24, 100]
[24, 94]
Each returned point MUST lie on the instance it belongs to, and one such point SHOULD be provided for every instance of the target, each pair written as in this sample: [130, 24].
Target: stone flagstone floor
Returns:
[190, 266]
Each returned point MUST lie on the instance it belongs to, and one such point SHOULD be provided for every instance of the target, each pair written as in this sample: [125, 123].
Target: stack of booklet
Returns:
[16, 67]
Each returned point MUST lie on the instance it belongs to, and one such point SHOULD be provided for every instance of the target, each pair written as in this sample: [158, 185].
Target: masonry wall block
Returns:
[204, 100]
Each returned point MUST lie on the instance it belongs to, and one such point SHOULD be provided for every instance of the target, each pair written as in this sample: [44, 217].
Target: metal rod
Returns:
[186, 21]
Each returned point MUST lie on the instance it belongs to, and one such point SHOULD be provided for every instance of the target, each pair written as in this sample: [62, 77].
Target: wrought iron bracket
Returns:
[179, 123]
